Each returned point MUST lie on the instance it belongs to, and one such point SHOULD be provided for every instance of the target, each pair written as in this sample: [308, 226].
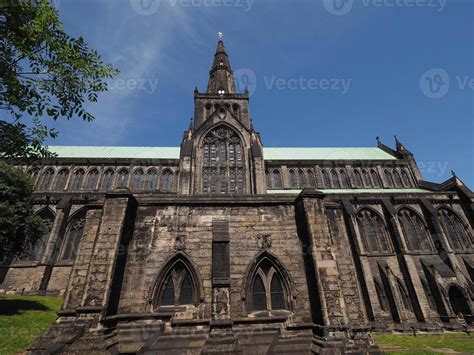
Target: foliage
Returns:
[19, 227]
[425, 343]
[43, 72]
[23, 318]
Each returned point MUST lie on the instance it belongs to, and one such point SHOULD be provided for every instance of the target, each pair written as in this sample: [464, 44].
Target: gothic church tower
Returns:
[221, 153]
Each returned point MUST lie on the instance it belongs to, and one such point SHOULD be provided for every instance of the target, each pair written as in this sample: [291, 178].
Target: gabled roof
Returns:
[97, 152]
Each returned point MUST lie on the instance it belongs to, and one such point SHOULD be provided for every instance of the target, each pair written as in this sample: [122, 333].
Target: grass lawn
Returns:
[425, 343]
[23, 318]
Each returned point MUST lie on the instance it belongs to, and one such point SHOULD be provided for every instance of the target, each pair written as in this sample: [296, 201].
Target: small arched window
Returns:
[267, 290]
[375, 178]
[357, 179]
[122, 178]
[373, 231]
[268, 180]
[454, 230]
[397, 179]
[345, 184]
[137, 179]
[78, 180]
[406, 179]
[61, 180]
[301, 178]
[33, 174]
[73, 236]
[47, 179]
[166, 183]
[311, 179]
[389, 179]
[108, 179]
[414, 230]
[326, 180]
[293, 179]
[92, 180]
[366, 177]
[276, 179]
[151, 179]
[335, 180]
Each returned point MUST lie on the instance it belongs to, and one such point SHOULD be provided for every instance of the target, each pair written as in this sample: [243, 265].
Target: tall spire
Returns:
[221, 78]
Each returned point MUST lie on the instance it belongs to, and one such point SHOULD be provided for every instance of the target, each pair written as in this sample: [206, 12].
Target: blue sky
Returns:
[322, 73]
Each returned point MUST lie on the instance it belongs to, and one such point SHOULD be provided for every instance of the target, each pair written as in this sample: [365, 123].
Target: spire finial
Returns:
[453, 173]
[378, 139]
[219, 35]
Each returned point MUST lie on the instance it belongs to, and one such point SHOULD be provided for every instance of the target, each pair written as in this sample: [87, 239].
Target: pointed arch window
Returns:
[166, 183]
[137, 179]
[406, 179]
[345, 184]
[404, 296]
[92, 180]
[389, 178]
[151, 179]
[78, 180]
[335, 180]
[373, 231]
[33, 174]
[366, 177]
[311, 179]
[122, 179]
[177, 285]
[47, 179]
[267, 289]
[326, 180]
[293, 179]
[301, 178]
[108, 179]
[397, 179]
[375, 178]
[276, 177]
[61, 179]
[268, 180]
[357, 179]
[415, 231]
[35, 252]
[223, 168]
[73, 236]
[454, 229]
[381, 297]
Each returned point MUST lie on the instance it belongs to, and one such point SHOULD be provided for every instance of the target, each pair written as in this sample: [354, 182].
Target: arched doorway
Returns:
[459, 303]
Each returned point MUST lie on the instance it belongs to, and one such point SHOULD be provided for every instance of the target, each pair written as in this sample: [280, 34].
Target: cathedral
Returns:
[224, 246]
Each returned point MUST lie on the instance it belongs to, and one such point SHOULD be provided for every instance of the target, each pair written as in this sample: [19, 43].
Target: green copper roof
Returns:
[326, 154]
[269, 153]
[351, 191]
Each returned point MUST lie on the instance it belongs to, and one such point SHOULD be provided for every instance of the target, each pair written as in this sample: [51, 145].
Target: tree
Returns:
[44, 72]
[19, 227]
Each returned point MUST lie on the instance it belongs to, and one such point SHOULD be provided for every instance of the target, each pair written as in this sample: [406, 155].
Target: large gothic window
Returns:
[267, 290]
[414, 230]
[406, 179]
[47, 179]
[311, 179]
[345, 184]
[35, 252]
[276, 178]
[326, 180]
[78, 180]
[122, 178]
[389, 178]
[177, 284]
[456, 233]
[373, 231]
[61, 179]
[73, 236]
[366, 177]
[375, 178]
[137, 179]
[301, 178]
[92, 180]
[293, 179]
[335, 180]
[397, 179]
[223, 166]
[33, 174]
[357, 179]
[108, 179]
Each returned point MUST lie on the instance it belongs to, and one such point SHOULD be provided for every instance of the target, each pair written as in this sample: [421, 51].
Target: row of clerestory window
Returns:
[109, 179]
